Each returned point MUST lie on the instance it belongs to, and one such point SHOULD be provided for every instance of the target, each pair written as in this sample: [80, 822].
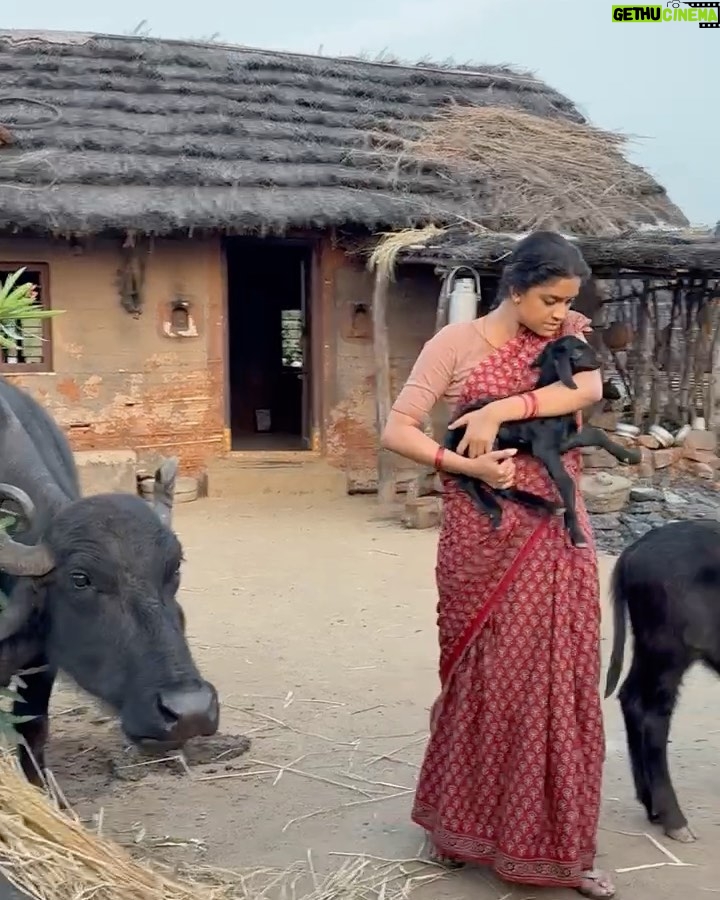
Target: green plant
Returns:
[18, 302]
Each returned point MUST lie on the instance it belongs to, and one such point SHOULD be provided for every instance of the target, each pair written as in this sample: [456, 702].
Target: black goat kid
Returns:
[668, 583]
[546, 438]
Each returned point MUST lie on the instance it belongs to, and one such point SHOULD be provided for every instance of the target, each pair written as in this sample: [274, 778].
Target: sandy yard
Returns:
[316, 622]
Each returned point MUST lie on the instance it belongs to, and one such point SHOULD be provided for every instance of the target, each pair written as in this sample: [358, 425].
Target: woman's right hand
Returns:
[496, 469]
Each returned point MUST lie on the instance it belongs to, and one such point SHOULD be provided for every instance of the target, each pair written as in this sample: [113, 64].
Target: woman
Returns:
[512, 772]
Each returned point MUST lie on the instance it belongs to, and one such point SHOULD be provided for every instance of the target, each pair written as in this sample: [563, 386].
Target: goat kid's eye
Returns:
[80, 580]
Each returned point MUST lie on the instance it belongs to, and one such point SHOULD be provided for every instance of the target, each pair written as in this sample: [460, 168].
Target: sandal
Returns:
[597, 885]
[441, 859]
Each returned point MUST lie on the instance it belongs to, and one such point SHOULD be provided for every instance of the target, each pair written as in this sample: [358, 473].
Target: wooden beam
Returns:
[383, 396]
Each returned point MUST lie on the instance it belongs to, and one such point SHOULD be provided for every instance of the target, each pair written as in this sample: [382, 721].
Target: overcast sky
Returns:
[656, 81]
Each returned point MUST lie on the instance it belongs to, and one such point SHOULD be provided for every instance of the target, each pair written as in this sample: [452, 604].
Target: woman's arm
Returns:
[426, 384]
[403, 435]
[553, 400]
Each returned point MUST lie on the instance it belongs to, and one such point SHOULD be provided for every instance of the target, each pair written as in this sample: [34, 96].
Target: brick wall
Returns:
[119, 381]
[351, 440]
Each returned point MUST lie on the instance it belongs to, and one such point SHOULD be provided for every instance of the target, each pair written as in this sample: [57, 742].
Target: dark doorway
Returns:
[268, 286]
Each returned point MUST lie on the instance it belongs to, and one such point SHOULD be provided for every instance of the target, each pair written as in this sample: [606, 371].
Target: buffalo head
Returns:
[97, 597]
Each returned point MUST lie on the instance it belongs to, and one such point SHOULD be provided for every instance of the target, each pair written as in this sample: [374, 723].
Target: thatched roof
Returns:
[643, 251]
[103, 133]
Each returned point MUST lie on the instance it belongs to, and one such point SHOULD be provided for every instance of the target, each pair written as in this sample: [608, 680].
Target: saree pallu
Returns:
[512, 771]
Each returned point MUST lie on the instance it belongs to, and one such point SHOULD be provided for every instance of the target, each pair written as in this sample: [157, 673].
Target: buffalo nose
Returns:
[190, 712]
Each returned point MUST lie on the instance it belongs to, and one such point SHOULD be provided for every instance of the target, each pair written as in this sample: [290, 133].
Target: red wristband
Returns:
[439, 459]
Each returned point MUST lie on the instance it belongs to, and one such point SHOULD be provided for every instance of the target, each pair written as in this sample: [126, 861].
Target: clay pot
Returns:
[618, 336]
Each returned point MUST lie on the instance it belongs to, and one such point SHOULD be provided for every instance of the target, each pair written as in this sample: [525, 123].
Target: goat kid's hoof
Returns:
[683, 835]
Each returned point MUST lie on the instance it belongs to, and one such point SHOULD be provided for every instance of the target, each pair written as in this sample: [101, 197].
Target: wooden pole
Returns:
[383, 396]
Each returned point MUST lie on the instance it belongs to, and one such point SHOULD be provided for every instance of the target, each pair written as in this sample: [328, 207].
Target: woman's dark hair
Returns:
[538, 258]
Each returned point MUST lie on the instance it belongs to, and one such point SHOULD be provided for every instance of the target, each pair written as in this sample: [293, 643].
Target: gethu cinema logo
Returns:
[705, 14]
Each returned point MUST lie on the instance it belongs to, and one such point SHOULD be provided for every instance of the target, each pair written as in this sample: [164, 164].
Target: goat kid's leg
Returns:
[532, 501]
[647, 703]
[590, 436]
[483, 499]
[33, 700]
[566, 486]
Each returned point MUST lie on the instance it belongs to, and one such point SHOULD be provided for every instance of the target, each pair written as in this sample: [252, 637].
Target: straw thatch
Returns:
[651, 251]
[105, 133]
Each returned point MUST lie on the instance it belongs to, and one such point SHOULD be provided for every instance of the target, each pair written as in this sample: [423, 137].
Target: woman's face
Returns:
[543, 308]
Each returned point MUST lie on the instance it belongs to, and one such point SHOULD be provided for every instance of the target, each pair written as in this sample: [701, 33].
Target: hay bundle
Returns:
[48, 855]
[531, 171]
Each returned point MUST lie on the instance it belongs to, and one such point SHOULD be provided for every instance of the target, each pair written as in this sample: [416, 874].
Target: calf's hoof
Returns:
[684, 834]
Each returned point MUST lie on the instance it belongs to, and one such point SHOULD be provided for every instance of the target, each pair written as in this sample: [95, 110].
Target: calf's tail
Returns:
[618, 594]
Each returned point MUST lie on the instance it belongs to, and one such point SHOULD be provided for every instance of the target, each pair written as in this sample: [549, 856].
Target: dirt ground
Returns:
[317, 624]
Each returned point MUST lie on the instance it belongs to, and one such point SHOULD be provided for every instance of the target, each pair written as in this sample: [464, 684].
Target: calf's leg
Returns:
[647, 699]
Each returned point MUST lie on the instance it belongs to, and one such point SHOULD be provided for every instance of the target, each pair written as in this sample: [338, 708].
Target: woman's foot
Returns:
[596, 885]
[440, 858]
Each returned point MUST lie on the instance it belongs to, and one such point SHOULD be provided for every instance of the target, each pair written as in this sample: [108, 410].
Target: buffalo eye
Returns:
[80, 580]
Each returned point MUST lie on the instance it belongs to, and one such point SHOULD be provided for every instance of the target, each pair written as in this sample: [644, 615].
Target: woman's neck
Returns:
[501, 324]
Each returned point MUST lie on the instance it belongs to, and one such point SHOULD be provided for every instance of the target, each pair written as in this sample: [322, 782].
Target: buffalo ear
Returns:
[164, 489]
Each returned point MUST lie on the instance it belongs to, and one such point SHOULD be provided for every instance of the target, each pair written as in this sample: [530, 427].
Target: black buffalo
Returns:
[92, 591]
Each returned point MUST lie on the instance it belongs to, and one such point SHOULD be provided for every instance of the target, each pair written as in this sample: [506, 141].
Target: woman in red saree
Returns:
[512, 772]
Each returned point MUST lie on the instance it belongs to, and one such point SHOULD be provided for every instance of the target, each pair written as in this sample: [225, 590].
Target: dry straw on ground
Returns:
[49, 855]
[532, 171]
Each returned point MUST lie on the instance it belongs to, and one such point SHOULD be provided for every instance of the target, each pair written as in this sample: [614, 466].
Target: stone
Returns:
[647, 440]
[640, 494]
[701, 440]
[605, 522]
[674, 499]
[701, 456]
[666, 457]
[699, 469]
[645, 509]
[425, 512]
[638, 528]
[598, 458]
[606, 420]
[107, 471]
[605, 493]
[646, 467]
[186, 489]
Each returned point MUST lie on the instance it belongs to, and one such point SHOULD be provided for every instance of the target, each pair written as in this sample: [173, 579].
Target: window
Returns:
[34, 352]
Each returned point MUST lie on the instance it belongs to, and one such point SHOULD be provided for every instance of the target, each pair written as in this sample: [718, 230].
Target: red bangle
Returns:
[439, 458]
[526, 406]
[532, 400]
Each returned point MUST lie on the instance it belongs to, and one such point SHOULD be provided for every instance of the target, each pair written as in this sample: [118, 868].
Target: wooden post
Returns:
[383, 396]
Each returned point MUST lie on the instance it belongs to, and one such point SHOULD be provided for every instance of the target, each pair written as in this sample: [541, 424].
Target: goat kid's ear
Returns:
[564, 370]
[539, 359]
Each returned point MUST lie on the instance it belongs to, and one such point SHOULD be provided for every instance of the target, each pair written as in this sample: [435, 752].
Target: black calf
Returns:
[545, 438]
[668, 583]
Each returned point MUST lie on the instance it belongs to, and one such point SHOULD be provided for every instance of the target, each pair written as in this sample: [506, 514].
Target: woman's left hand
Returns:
[481, 428]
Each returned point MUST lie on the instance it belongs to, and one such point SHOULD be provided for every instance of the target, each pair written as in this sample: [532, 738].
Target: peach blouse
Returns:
[447, 360]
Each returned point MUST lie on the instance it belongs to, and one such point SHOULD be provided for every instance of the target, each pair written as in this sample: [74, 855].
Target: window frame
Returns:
[43, 269]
